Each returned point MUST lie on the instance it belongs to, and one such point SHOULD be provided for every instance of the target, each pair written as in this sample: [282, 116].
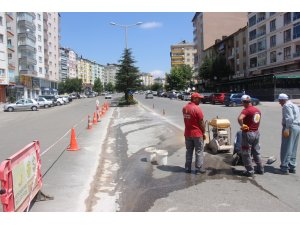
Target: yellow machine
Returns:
[220, 129]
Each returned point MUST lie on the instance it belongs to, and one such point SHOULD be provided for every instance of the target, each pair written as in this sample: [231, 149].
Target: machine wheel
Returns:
[10, 109]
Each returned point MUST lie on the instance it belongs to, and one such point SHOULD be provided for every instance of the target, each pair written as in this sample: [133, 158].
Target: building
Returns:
[84, 71]
[274, 49]
[72, 64]
[183, 53]
[110, 73]
[209, 26]
[147, 79]
[97, 72]
[4, 81]
[159, 80]
[63, 63]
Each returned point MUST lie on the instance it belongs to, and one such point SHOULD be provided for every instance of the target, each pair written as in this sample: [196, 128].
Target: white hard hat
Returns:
[283, 96]
[245, 98]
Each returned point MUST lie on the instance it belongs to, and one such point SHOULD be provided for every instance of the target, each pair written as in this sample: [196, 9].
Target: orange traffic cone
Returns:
[95, 121]
[89, 123]
[98, 116]
[73, 143]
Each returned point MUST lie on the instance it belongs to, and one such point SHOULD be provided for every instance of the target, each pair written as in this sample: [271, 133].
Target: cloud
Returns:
[151, 25]
[158, 73]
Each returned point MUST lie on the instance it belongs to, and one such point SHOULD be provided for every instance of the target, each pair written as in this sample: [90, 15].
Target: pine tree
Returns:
[127, 77]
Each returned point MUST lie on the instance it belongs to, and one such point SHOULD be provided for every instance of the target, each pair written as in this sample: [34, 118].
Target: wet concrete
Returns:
[135, 185]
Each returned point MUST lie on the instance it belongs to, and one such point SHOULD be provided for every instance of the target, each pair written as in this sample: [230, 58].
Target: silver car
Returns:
[22, 104]
[44, 102]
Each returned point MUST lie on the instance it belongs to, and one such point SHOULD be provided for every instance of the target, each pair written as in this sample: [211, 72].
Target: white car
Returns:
[59, 101]
[44, 102]
[22, 104]
[108, 96]
[65, 98]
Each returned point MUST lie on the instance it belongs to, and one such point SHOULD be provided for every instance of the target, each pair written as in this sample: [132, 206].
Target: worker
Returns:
[290, 135]
[249, 120]
[194, 134]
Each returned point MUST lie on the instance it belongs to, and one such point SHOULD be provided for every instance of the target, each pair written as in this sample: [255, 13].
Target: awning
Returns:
[288, 75]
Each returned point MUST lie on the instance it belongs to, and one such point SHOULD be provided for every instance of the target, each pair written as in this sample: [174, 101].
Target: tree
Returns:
[98, 87]
[127, 77]
[70, 85]
[205, 71]
[109, 87]
[220, 68]
[179, 78]
[156, 87]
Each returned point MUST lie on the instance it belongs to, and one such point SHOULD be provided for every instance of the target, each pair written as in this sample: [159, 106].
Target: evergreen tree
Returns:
[127, 77]
[98, 87]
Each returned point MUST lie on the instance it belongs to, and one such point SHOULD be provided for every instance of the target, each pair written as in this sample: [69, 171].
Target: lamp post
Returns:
[125, 27]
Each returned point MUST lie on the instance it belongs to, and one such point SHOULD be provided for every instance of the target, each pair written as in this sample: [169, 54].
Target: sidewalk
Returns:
[69, 180]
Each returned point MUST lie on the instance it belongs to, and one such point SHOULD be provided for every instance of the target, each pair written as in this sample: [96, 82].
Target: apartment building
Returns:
[72, 64]
[63, 63]
[147, 79]
[97, 72]
[274, 50]
[3, 57]
[209, 26]
[110, 73]
[183, 53]
[84, 71]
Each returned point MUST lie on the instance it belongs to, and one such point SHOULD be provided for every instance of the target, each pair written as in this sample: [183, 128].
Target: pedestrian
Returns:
[194, 134]
[249, 120]
[290, 135]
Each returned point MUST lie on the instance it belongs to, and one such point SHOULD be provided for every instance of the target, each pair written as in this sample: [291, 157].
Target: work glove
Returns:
[244, 127]
[286, 133]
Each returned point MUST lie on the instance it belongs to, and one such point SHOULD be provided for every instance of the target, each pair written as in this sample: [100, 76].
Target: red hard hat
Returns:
[196, 95]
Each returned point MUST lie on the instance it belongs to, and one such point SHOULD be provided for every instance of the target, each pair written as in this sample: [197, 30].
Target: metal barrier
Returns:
[21, 178]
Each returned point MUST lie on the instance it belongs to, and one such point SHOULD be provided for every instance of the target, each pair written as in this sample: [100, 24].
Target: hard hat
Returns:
[245, 98]
[196, 95]
[283, 96]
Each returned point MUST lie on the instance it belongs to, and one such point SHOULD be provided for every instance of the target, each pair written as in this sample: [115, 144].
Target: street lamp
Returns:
[125, 27]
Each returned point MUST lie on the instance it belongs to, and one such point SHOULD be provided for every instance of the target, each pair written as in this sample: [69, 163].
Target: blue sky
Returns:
[92, 36]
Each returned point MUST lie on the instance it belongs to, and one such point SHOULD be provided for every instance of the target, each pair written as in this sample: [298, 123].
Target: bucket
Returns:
[162, 157]
[151, 154]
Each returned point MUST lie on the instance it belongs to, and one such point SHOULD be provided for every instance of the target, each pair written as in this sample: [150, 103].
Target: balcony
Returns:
[24, 24]
[27, 35]
[9, 17]
[260, 34]
[26, 48]
[10, 48]
[296, 55]
[10, 32]
[45, 16]
[260, 19]
[27, 61]
[30, 73]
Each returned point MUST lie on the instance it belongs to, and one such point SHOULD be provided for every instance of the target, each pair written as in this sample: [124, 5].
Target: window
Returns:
[253, 62]
[296, 15]
[39, 38]
[296, 30]
[272, 25]
[287, 18]
[2, 72]
[252, 34]
[252, 21]
[287, 35]
[1, 21]
[39, 27]
[287, 53]
[272, 13]
[261, 44]
[1, 38]
[253, 48]
[9, 55]
[2, 56]
[40, 48]
[39, 16]
[273, 57]
[40, 70]
[273, 41]
[40, 59]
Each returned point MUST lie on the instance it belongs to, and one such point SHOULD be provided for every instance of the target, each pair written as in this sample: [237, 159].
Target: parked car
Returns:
[149, 96]
[22, 104]
[218, 98]
[154, 93]
[59, 101]
[50, 98]
[65, 98]
[186, 96]
[234, 99]
[207, 97]
[44, 102]
[108, 96]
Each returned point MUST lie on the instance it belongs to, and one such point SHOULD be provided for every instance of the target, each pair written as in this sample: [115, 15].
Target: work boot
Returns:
[188, 170]
[282, 172]
[200, 171]
[247, 174]
[292, 171]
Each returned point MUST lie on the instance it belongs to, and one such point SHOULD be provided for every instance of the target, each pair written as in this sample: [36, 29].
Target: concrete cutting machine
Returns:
[219, 135]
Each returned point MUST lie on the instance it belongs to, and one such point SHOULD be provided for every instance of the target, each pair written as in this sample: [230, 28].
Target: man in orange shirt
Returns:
[194, 134]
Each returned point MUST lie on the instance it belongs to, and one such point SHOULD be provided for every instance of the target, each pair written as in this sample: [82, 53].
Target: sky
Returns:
[91, 35]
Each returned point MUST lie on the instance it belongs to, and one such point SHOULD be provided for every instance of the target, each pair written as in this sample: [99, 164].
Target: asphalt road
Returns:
[18, 129]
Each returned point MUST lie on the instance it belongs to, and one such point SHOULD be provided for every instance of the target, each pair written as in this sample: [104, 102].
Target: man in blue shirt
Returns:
[290, 134]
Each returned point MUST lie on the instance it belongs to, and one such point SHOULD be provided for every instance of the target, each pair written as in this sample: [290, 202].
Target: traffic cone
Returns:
[73, 143]
[89, 123]
[98, 116]
[95, 121]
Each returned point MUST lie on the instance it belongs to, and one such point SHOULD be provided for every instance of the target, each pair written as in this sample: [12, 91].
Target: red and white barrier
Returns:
[21, 178]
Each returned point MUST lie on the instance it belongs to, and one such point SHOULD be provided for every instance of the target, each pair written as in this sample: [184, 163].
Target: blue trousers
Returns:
[288, 150]
[192, 144]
